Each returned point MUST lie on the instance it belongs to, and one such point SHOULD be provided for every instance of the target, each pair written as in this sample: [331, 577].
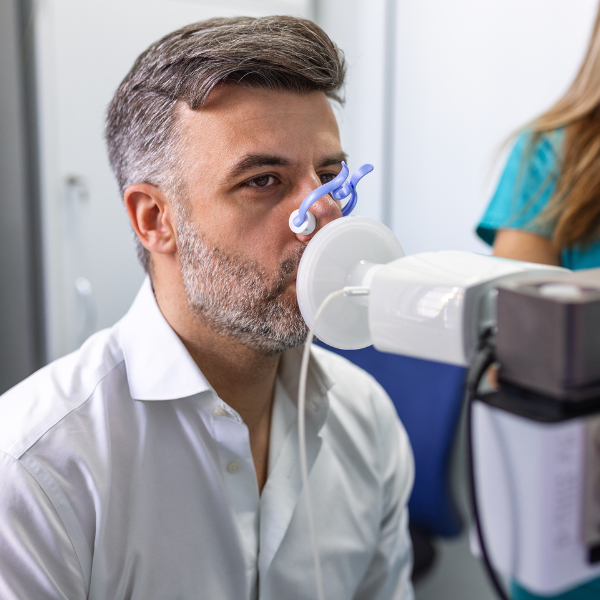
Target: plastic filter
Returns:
[345, 252]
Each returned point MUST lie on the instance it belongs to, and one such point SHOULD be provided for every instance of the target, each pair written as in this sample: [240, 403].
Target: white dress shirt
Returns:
[124, 476]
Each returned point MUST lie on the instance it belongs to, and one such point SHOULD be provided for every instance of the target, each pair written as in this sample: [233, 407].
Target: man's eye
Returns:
[262, 181]
[327, 177]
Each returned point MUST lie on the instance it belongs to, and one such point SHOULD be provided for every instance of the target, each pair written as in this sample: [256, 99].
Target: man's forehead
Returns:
[238, 106]
[244, 122]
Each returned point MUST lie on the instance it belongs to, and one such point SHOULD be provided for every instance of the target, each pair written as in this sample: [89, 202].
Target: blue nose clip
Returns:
[303, 221]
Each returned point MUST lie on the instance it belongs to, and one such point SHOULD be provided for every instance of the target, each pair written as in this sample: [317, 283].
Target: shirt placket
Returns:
[237, 467]
[283, 489]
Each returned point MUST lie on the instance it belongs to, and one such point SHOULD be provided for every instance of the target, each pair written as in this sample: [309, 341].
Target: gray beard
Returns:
[236, 298]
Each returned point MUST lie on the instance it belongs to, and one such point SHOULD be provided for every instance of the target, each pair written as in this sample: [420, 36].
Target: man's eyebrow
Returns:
[332, 159]
[255, 161]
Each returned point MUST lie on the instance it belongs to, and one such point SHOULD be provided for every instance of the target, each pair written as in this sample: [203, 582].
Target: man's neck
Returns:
[241, 376]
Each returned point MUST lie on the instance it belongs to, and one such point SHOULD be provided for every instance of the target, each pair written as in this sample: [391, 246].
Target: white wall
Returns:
[356, 26]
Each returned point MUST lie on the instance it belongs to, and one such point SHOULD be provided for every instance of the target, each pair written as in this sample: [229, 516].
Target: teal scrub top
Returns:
[589, 591]
[526, 186]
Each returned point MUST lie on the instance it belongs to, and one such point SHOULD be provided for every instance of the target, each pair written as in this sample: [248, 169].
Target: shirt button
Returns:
[220, 412]
[233, 466]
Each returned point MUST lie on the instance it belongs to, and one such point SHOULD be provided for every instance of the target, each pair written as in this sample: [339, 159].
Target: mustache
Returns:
[287, 267]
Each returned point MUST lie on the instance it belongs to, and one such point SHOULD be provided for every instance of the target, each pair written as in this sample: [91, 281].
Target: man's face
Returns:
[250, 158]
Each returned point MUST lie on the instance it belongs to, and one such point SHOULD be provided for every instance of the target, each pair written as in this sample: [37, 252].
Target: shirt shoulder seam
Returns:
[44, 430]
[19, 462]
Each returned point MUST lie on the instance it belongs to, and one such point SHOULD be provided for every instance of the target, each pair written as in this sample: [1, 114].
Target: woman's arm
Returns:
[523, 245]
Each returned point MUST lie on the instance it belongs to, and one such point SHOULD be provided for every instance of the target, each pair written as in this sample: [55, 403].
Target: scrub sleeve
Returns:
[525, 188]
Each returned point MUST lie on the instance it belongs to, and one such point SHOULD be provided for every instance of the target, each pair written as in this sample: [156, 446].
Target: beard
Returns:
[237, 298]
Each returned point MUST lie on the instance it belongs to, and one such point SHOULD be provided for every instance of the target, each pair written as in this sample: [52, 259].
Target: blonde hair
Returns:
[574, 209]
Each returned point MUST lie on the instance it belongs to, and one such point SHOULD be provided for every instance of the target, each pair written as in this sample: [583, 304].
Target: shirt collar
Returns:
[158, 365]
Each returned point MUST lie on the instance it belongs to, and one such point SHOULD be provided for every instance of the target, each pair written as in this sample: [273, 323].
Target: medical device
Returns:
[535, 443]
[302, 221]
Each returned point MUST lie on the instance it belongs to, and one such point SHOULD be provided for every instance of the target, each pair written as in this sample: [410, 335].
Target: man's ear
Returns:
[152, 218]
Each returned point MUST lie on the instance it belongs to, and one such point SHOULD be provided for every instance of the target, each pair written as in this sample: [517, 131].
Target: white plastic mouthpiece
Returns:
[342, 256]
[309, 225]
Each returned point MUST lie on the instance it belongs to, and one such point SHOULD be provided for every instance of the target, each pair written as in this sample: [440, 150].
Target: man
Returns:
[161, 459]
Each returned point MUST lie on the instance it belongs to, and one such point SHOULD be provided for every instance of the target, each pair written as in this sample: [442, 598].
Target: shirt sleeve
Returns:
[525, 188]
[389, 574]
[37, 557]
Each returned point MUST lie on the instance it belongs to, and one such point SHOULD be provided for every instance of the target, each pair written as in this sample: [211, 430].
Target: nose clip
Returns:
[302, 221]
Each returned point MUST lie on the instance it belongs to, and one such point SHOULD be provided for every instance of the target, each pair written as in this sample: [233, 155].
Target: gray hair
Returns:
[278, 53]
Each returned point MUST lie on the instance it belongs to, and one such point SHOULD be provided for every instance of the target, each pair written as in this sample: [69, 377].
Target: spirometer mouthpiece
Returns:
[346, 252]
[303, 221]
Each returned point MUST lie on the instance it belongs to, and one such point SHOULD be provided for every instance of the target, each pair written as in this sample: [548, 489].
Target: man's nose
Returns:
[325, 209]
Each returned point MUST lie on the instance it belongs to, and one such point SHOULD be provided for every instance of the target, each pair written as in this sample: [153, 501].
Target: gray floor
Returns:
[455, 576]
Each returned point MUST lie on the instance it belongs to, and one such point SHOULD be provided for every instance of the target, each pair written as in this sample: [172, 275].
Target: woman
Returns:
[547, 205]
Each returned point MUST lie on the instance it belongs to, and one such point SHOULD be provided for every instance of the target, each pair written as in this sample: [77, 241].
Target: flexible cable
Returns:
[483, 360]
[347, 291]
